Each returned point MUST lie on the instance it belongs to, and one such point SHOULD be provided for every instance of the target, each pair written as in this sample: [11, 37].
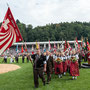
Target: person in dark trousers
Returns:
[49, 67]
[85, 59]
[23, 57]
[5, 58]
[27, 58]
[80, 59]
[16, 58]
[39, 67]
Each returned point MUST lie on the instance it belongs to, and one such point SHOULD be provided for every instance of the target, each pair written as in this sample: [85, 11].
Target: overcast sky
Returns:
[42, 12]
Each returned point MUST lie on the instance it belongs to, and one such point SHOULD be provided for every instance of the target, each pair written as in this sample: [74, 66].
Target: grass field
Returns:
[22, 79]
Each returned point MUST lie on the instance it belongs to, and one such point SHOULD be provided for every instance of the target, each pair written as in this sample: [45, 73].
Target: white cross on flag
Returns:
[9, 32]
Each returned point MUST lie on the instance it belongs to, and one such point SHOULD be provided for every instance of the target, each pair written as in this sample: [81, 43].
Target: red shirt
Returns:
[88, 56]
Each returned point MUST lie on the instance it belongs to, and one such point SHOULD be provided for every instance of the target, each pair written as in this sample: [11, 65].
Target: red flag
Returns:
[54, 47]
[77, 44]
[9, 33]
[49, 45]
[25, 47]
[69, 47]
[22, 50]
[65, 46]
[32, 52]
[87, 43]
[88, 47]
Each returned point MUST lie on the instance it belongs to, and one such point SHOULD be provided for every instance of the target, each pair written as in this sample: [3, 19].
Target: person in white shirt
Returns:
[49, 66]
[64, 63]
[74, 67]
[5, 58]
[11, 59]
[59, 67]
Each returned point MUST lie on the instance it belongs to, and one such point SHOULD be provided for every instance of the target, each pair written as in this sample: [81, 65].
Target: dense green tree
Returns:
[67, 31]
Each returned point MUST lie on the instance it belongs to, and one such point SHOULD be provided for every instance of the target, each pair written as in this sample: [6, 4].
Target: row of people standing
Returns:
[16, 58]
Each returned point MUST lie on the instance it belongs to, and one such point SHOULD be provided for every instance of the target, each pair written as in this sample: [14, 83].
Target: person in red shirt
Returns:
[88, 57]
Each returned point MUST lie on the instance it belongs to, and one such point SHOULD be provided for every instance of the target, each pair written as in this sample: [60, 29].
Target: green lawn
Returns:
[22, 79]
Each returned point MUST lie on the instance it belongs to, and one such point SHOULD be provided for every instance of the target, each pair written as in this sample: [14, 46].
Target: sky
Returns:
[42, 12]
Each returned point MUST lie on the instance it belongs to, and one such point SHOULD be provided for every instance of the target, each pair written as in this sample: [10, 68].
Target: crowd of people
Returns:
[58, 62]
[49, 62]
[15, 58]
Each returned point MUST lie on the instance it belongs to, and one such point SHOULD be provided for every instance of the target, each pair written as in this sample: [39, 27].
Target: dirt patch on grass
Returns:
[8, 67]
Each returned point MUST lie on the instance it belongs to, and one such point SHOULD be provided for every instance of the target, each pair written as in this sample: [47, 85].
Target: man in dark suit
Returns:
[27, 57]
[23, 57]
[49, 67]
[16, 58]
[80, 59]
[39, 67]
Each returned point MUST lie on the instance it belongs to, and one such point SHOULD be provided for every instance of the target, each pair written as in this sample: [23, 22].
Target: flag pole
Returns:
[7, 5]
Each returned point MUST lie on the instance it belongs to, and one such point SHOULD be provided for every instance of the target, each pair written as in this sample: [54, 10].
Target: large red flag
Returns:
[9, 33]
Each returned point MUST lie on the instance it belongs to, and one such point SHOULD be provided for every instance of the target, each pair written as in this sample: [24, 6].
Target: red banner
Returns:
[9, 33]
[25, 47]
